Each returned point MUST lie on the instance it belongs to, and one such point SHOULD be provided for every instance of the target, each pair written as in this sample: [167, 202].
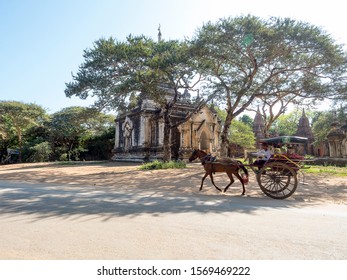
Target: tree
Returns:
[119, 73]
[322, 121]
[71, 127]
[241, 134]
[19, 117]
[7, 137]
[285, 124]
[247, 120]
[37, 147]
[246, 58]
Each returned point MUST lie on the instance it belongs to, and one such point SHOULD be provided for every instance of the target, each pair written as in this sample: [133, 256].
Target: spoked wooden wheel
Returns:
[277, 180]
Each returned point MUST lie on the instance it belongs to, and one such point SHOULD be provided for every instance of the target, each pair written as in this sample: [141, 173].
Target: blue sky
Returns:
[42, 41]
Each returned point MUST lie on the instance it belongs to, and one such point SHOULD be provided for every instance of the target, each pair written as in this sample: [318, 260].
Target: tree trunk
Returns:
[20, 144]
[166, 140]
[224, 136]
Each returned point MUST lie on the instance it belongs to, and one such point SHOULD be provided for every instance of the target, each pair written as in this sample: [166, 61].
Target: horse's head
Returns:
[197, 154]
[193, 156]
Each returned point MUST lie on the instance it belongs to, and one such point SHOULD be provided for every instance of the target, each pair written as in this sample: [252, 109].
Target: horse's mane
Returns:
[218, 159]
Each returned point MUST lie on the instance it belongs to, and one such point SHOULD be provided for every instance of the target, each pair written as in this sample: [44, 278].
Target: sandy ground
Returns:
[315, 188]
[108, 211]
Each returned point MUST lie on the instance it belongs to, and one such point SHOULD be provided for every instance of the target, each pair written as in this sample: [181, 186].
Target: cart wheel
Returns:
[277, 180]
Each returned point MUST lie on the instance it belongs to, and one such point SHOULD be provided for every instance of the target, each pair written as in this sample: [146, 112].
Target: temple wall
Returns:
[147, 135]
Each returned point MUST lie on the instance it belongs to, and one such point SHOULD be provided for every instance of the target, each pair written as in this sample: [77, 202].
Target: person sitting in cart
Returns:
[292, 155]
[263, 155]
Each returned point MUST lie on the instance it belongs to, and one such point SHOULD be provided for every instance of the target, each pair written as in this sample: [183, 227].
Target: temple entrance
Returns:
[204, 142]
[175, 143]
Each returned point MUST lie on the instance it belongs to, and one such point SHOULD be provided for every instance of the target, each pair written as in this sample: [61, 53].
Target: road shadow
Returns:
[112, 190]
[68, 201]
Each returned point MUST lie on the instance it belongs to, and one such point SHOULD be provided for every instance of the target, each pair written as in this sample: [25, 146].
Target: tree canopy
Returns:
[237, 61]
[246, 58]
[119, 73]
[17, 117]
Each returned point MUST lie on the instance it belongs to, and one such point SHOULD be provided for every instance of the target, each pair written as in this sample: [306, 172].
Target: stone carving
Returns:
[127, 128]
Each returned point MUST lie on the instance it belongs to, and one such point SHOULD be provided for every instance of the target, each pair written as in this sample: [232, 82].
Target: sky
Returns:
[42, 41]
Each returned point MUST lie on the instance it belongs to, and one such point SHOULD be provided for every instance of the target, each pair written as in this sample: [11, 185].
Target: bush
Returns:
[162, 165]
[39, 153]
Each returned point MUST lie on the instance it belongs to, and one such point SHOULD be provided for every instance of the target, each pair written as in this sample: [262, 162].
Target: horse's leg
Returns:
[202, 181]
[209, 168]
[227, 187]
[236, 173]
[211, 176]
[230, 175]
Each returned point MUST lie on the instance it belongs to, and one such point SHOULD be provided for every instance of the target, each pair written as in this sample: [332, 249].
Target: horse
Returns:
[227, 165]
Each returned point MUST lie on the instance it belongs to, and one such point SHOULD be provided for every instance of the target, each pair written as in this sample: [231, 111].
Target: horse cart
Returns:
[278, 177]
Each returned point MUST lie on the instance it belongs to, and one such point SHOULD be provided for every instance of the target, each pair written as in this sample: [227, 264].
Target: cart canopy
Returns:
[284, 140]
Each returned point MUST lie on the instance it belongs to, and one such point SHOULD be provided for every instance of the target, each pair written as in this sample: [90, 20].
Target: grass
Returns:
[327, 170]
[162, 165]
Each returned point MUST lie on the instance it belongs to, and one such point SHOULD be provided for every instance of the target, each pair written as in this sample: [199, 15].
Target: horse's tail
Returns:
[244, 177]
[243, 167]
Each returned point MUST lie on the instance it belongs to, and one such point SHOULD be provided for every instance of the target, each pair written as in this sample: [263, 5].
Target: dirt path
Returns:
[317, 188]
[115, 211]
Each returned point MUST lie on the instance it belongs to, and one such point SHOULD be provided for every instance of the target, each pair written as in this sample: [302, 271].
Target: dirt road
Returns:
[115, 211]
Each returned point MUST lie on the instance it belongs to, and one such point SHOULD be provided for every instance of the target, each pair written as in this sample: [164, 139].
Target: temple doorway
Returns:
[204, 142]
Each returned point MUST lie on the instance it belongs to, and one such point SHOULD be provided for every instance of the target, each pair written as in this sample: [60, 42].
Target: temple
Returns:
[337, 140]
[139, 134]
[304, 130]
[258, 128]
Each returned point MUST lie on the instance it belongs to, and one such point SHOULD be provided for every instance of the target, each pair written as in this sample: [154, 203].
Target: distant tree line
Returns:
[286, 124]
[79, 133]
[73, 133]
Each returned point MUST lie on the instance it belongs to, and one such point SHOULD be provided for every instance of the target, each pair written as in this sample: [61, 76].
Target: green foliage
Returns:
[247, 120]
[118, 74]
[321, 123]
[327, 170]
[286, 124]
[245, 58]
[18, 117]
[241, 134]
[41, 152]
[321, 126]
[220, 113]
[162, 165]
[72, 127]
[99, 146]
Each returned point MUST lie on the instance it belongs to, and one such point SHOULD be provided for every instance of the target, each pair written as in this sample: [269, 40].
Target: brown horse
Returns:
[227, 165]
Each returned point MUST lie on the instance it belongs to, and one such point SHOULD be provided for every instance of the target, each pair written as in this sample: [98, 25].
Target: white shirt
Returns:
[264, 154]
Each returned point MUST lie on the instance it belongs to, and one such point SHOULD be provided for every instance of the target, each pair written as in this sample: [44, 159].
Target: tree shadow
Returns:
[71, 201]
[126, 191]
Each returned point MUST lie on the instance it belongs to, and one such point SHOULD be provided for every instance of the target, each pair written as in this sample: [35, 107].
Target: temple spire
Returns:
[258, 127]
[159, 34]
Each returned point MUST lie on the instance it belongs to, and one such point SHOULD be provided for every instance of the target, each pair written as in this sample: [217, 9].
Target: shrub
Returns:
[162, 165]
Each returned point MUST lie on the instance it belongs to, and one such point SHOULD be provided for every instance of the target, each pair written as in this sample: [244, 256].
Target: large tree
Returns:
[247, 58]
[70, 127]
[18, 117]
[119, 73]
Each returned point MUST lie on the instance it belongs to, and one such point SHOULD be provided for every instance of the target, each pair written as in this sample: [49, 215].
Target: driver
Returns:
[263, 155]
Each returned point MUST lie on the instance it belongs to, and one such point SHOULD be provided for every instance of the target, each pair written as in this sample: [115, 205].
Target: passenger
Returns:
[263, 155]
